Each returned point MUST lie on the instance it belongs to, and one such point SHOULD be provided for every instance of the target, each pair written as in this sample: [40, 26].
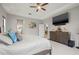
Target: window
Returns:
[4, 24]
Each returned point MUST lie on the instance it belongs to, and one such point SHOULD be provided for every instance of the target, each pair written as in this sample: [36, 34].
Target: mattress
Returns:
[30, 44]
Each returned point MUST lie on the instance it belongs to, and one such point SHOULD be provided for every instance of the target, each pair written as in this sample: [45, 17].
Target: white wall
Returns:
[72, 26]
[12, 22]
[2, 13]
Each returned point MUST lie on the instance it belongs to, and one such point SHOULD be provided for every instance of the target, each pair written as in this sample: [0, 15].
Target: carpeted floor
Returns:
[60, 49]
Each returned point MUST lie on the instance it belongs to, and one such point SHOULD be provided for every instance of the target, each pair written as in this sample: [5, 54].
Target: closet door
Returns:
[41, 30]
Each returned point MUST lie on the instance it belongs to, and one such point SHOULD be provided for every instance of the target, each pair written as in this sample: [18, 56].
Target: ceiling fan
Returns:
[39, 6]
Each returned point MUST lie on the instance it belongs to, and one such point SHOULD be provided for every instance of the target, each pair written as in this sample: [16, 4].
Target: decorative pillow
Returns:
[5, 40]
[19, 37]
[13, 36]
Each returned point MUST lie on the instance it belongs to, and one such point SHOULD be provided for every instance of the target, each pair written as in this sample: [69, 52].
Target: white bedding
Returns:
[30, 44]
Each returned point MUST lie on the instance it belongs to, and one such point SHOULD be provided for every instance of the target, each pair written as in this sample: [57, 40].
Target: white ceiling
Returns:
[23, 9]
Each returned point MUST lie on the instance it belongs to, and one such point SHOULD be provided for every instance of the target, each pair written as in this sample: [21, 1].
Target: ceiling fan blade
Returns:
[33, 6]
[44, 4]
[37, 10]
[38, 3]
[43, 9]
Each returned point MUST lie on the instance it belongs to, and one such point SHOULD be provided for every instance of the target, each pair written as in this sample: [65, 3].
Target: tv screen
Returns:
[61, 19]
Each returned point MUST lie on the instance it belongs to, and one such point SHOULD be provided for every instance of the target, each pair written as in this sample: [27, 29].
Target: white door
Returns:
[41, 30]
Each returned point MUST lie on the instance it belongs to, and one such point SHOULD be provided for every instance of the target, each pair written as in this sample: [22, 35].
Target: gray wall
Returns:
[2, 13]
[72, 26]
[12, 22]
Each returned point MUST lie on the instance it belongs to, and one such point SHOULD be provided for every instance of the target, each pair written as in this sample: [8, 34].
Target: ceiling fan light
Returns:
[38, 7]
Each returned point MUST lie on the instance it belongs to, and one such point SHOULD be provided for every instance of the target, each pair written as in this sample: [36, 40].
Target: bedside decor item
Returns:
[19, 25]
[32, 24]
[59, 29]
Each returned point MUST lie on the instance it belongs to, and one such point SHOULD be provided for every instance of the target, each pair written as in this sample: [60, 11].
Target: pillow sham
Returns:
[13, 37]
[5, 40]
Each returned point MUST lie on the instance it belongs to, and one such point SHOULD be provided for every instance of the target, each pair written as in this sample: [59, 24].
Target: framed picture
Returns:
[32, 24]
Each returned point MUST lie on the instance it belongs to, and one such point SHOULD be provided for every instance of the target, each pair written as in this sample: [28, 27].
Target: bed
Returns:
[30, 45]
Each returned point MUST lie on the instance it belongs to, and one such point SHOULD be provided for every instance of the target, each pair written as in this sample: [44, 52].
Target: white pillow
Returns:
[5, 39]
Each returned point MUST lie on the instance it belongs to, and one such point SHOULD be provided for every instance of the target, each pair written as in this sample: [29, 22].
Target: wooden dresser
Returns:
[59, 36]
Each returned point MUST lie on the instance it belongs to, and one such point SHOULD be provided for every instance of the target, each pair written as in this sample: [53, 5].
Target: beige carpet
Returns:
[60, 49]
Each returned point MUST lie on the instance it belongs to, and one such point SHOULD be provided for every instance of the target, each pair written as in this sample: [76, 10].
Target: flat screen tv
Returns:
[61, 19]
